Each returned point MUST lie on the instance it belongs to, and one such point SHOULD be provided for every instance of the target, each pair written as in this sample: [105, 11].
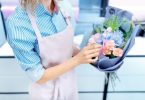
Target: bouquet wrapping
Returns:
[117, 35]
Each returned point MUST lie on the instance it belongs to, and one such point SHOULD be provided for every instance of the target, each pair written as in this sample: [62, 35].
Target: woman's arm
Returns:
[55, 71]
[83, 57]
[22, 39]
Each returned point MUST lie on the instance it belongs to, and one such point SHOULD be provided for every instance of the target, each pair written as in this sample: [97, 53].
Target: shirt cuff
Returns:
[36, 74]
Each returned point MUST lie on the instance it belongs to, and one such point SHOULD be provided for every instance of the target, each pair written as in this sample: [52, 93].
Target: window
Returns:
[90, 4]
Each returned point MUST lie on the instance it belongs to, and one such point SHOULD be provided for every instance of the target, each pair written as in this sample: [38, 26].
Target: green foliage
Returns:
[129, 32]
[112, 22]
[116, 24]
[98, 28]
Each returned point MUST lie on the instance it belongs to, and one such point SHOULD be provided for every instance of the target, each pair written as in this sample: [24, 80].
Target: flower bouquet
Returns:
[117, 36]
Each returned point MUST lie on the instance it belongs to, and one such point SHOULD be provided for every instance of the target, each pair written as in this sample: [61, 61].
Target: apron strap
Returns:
[34, 25]
[66, 15]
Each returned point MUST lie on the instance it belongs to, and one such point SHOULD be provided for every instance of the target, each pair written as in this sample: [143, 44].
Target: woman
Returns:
[41, 35]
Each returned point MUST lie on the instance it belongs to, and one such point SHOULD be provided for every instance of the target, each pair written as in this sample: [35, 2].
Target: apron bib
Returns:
[54, 50]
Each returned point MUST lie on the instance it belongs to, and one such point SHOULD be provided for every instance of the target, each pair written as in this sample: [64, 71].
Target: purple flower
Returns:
[117, 36]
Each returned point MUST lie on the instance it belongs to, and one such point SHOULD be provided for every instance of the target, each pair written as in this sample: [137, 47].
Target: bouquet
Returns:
[117, 36]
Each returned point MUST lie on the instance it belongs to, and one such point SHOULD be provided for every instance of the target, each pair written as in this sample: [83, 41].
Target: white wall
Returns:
[137, 7]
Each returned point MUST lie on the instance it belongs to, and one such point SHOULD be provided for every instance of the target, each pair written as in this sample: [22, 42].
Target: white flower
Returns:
[109, 29]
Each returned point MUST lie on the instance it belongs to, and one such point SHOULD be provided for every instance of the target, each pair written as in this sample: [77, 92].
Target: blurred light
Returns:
[10, 8]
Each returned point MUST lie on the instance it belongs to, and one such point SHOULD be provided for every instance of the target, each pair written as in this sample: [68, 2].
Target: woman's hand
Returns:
[83, 57]
[87, 54]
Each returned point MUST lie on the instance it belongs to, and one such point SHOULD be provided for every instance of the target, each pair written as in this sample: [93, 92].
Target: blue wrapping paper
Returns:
[107, 64]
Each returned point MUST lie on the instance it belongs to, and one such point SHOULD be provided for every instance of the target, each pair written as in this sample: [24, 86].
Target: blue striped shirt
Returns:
[22, 38]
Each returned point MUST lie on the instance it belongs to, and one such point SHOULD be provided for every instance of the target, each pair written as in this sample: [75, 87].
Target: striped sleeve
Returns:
[22, 42]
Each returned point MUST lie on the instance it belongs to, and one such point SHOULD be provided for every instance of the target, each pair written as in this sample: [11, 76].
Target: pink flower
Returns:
[106, 51]
[109, 44]
[117, 52]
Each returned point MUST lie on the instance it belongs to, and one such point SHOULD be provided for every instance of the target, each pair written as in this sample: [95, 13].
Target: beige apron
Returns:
[55, 49]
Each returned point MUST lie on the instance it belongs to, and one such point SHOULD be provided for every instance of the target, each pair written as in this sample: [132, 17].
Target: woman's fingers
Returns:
[93, 51]
[93, 46]
[88, 47]
[91, 60]
[88, 53]
[93, 55]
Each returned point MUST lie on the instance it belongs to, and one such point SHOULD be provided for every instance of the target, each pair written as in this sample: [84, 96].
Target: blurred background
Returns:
[91, 82]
